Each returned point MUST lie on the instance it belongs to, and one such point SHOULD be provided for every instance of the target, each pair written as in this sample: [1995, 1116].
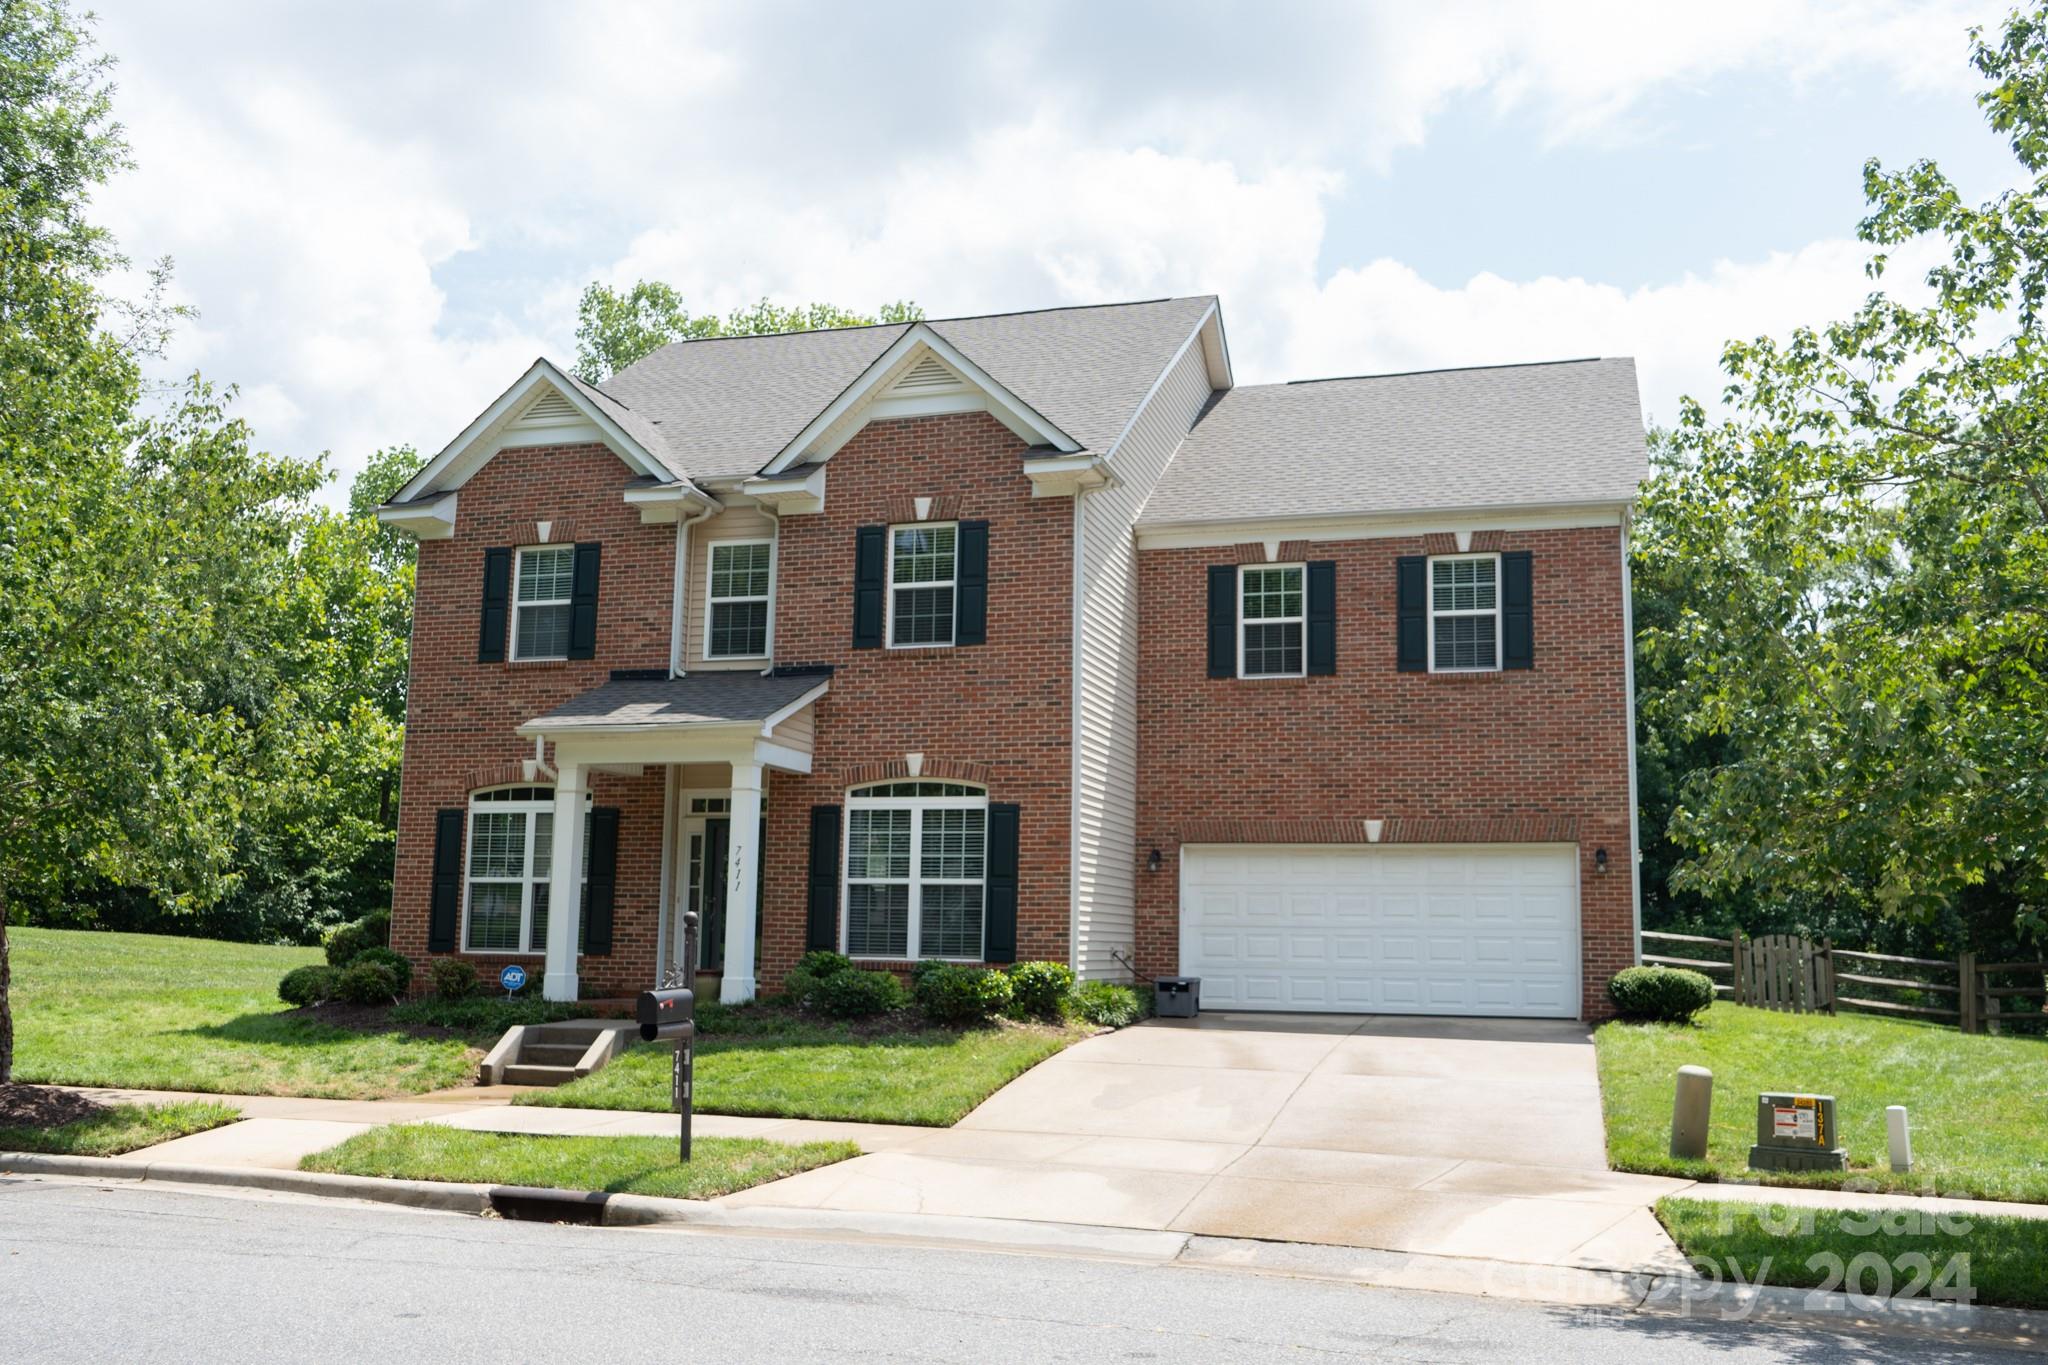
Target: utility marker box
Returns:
[1797, 1133]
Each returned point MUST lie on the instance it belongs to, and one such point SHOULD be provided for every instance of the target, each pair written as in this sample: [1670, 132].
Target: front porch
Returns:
[716, 736]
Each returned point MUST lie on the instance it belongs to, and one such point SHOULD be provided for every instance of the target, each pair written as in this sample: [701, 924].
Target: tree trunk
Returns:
[6, 1007]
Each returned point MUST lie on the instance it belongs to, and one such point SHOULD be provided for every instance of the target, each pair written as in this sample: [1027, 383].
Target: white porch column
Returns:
[565, 880]
[742, 876]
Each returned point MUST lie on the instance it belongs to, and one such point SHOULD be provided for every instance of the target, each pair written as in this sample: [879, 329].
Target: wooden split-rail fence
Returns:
[1801, 976]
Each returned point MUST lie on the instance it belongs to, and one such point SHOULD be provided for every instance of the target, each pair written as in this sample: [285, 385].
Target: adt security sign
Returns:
[512, 978]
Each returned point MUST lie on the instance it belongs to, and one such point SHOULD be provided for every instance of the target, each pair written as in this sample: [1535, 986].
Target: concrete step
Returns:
[521, 1074]
[552, 1054]
[553, 1035]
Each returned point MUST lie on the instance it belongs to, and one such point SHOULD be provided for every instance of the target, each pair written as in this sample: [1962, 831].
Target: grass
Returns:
[1975, 1101]
[773, 1064]
[2004, 1260]
[122, 1128]
[618, 1165]
[158, 1013]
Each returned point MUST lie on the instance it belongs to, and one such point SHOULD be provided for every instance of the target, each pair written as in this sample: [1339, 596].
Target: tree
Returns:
[1859, 556]
[613, 329]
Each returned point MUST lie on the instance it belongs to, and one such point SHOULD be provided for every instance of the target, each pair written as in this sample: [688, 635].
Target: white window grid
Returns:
[928, 548]
[1271, 581]
[544, 580]
[762, 577]
[511, 844]
[1470, 596]
[951, 816]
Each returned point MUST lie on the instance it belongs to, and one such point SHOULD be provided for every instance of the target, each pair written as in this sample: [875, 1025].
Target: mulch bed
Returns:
[368, 1019]
[40, 1106]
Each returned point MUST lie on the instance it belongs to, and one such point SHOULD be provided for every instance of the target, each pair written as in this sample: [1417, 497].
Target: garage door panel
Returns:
[1446, 930]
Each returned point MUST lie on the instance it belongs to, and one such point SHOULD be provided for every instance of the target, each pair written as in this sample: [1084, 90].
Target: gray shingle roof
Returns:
[726, 406]
[1515, 435]
[699, 699]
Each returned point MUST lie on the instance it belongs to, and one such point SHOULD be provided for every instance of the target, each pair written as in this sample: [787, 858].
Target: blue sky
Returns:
[382, 212]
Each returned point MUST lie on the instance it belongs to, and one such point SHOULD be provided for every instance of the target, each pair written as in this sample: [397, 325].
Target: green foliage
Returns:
[1039, 989]
[304, 986]
[483, 1017]
[811, 969]
[453, 978]
[1108, 1005]
[615, 329]
[1665, 995]
[858, 995]
[344, 941]
[963, 996]
[367, 981]
[400, 965]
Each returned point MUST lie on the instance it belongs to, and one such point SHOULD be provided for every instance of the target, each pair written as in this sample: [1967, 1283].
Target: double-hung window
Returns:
[741, 577]
[511, 854]
[541, 606]
[1271, 621]
[916, 871]
[1464, 613]
[921, 585]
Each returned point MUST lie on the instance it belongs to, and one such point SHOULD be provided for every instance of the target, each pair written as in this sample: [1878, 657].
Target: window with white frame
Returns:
[1271, 621]
[921, 583]
[541, 608]
[1464, 613]
[741, 576]
[916, 869]
[511, 852]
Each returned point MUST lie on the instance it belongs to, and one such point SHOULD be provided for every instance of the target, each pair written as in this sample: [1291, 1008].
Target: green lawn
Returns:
[1976, 1101]
[618, 1165]
[784, 1068]
[2005, 1260]
[122, 1128]
[157, 1013]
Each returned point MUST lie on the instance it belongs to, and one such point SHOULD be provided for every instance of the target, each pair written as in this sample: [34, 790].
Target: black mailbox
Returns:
[666, 1014]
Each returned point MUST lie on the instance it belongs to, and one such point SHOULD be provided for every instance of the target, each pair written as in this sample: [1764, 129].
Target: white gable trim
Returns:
[1007, 408]
[433, 519]
[461, 458]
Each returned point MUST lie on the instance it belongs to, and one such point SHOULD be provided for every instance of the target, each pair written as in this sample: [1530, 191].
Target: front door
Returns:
[710, 894]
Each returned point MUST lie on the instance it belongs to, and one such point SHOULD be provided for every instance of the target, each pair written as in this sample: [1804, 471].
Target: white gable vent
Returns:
[551, 409]
[928, 375]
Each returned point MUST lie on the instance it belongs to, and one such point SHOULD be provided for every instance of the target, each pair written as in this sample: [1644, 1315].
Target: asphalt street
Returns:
[151, 1273]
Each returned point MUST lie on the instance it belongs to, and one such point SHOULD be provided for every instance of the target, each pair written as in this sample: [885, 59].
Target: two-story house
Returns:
[1031, 636]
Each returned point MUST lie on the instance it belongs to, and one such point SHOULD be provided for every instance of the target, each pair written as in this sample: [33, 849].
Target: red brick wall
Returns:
[1480, 757]
[461, 714]
[1004, 707]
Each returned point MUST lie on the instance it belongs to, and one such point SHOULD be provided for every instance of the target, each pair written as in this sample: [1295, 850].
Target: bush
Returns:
[310, 985]
[1669, 995]
[1108, 1005]
[858, 995]
[1039, 988]
[367, 981]
[453, 978]
[963, 995]
[483, 1015]
[400, 965]
[811, 969]
[345, 941]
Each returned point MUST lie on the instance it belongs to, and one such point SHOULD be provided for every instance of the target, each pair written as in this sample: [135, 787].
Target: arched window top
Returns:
[905, 791]
[520, 795]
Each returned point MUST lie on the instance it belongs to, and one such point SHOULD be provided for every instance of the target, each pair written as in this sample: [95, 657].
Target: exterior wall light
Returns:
[1599, 860]
[1152, 861]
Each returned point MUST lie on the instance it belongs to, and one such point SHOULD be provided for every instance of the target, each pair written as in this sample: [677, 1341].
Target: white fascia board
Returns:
[426, 520]
[776, 718]
[1216, 349]
[664, 504]
[1373, 526]
[1062, 476]
[789, 497]
[1007, 406]
[1179, 351]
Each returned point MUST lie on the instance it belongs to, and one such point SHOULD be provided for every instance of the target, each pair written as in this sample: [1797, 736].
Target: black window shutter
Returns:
[1517, 610]
[583, 603]
[821, 915]
[868, 583]
[441, 912]
[490, 644]
[1411, 613]
[1223, 620]
[602, 888]
[970, 568]
[1000, 926]
[1322, 616]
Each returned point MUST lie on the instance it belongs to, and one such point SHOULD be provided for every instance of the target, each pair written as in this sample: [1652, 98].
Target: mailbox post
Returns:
[671, 1013]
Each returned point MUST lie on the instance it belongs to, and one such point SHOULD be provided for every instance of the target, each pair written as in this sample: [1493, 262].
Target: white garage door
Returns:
[1414, 929]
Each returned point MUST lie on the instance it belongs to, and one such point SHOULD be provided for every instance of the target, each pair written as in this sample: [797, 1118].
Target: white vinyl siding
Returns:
[735, 523]
[1106, 852]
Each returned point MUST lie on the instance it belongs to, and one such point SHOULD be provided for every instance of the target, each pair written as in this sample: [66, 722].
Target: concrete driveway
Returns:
[1456, 1137]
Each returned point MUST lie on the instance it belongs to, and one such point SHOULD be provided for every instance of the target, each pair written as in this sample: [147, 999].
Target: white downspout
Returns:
[1635, 843]
[678, 614]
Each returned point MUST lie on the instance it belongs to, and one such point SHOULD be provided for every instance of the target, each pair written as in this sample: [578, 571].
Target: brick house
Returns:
[1031, 636]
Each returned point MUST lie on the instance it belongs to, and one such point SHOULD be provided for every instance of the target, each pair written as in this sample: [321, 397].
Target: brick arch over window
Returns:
[934, 769]
[511, 774]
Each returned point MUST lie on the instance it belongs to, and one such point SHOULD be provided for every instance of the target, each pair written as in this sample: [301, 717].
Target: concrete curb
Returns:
[419, 1194]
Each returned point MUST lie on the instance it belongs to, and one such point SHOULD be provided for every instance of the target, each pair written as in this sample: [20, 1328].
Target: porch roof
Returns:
[626, 705]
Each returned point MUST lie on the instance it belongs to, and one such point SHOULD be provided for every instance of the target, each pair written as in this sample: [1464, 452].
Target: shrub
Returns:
[1669, 995]
[367, 982]
[377, 925]
[811, 969]
[484, 1015]
[1040, 987]
[309, 985]
[453, 978]
[1108, 1005]
[400, 965]
[858, 995]
[345, 941]
[963, 995]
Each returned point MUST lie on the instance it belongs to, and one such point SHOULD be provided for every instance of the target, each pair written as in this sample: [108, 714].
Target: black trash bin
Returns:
[1177, 997]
